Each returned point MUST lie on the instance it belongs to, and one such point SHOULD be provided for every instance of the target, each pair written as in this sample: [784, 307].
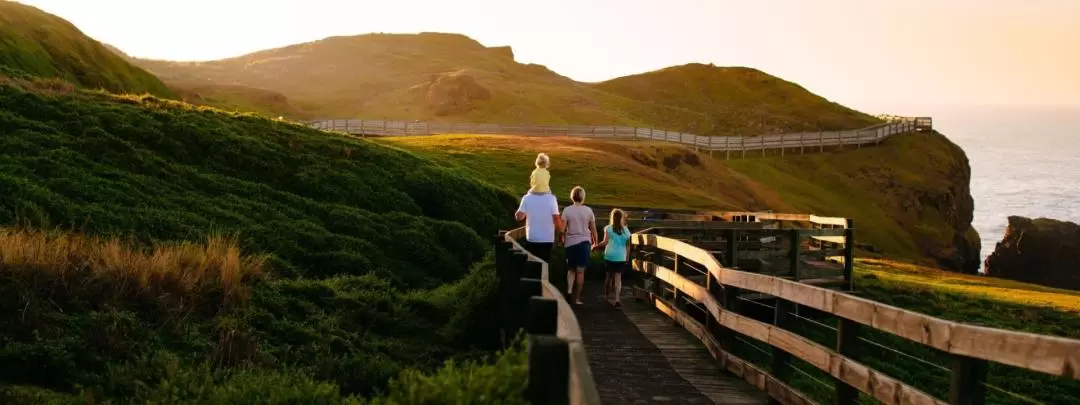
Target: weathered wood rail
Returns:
[558, 368]
[714, 309]
[731, 145]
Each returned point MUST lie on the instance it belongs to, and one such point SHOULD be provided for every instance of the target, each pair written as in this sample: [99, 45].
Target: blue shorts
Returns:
[577, 256]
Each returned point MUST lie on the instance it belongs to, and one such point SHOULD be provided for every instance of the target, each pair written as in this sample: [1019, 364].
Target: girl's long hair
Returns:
[617, 221]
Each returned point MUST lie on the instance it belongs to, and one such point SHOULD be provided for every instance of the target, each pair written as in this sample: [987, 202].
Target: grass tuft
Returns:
[184, 275]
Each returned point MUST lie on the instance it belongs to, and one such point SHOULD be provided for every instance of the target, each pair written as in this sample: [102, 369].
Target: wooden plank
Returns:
[882, 387]
[693, 360]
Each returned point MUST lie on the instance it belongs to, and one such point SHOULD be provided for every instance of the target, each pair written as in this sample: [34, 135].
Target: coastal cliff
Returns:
[1041, 250]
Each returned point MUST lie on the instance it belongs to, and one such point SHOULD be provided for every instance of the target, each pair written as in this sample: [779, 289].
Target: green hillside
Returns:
[909, 196]
[228, 258]
[40, 44]
[779, 104]
[434, 76]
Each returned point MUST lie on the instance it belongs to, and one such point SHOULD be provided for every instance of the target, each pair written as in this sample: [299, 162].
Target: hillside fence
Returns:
[801, 141]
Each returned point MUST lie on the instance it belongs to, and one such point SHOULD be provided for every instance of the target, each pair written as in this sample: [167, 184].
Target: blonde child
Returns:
[540, 178]
[616, 244]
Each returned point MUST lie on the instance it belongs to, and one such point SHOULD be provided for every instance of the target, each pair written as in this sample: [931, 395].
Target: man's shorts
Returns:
[577, 256]
[541, 250]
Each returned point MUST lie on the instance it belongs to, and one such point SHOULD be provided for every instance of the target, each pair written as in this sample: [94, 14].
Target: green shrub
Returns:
[158, 171]
[500, 382]
[374, 260]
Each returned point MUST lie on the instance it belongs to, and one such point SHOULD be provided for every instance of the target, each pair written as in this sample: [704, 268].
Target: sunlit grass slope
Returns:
[908, 196]
[243, 99]
[436, 76]
[40, 44]
[744, 93]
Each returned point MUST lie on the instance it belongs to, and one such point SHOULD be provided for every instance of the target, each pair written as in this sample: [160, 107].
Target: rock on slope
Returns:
[1042, 251]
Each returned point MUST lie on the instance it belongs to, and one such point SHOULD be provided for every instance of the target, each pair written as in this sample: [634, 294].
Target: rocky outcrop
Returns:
[454, 93]
[503, 52]
[1042, 251]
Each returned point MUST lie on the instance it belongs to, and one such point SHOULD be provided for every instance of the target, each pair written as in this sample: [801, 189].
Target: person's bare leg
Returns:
[569, 282]
[617, 281]
[607, 285]
[580, 284]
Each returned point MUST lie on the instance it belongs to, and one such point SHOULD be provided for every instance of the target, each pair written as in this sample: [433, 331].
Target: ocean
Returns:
[1024, 161]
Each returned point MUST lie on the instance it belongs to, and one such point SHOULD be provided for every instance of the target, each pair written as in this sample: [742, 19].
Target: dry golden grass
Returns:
[991, 288]
[180, 275]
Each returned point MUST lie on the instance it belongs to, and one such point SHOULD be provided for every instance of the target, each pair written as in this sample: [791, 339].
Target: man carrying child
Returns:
[540, 211]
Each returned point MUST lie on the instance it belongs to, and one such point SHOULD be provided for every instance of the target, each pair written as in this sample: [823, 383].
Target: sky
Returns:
[879, 56]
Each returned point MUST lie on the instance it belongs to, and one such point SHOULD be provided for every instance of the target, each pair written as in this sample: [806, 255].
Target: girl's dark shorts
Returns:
[615, 267]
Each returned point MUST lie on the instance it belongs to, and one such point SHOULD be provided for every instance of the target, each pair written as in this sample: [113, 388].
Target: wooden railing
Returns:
[558, 368]
[724, 324]
[803, 141]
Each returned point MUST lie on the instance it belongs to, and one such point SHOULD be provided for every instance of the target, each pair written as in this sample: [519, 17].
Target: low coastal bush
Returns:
[156, 252]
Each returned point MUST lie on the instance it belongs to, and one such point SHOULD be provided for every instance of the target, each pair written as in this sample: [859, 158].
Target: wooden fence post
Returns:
[968, 377]
[793, 253]
[543, 316]
[821, 141]
[781, 366]
[730, 302]
[549, 370]
[849, 255]
[513, 277]
[533, 270]
[847, 344]
[527, 288]
[732, 250]
[675, 296]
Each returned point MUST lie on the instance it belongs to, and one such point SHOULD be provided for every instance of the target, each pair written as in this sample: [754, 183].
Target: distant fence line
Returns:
[800, 140]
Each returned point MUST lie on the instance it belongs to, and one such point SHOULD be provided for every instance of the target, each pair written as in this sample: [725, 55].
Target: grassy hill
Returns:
[40, 44]
[750, 93]
[433, 76]
[909, 196]
[241, 98]
[224, 258]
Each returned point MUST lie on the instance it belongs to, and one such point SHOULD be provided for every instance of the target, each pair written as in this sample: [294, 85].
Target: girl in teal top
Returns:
[616, 243]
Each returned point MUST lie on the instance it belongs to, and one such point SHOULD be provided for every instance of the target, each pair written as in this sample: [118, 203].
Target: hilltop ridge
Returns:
[451, 77]
[37, 43]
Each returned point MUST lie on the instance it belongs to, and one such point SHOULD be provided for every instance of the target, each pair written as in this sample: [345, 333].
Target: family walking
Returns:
[576, 229]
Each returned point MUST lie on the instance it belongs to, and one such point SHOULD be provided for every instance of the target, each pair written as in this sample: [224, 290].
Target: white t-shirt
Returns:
[539, 224]
[578, 218]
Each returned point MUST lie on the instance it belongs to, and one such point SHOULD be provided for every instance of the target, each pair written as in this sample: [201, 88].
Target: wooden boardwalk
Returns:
[638, 356]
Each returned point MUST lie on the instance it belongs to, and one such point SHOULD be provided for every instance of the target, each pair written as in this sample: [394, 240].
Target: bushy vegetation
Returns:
[41, 44]
[203, 256]
[161, 171]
